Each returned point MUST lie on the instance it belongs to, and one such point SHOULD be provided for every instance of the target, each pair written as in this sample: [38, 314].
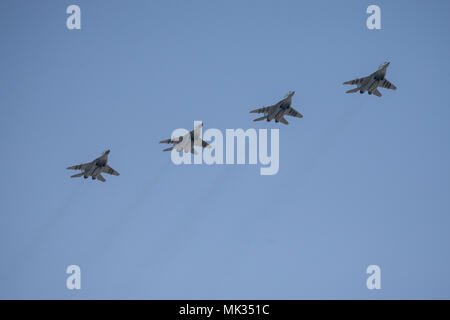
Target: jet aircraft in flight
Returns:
[187, 142]
[372, 82]
[95, 168]
[279, 110]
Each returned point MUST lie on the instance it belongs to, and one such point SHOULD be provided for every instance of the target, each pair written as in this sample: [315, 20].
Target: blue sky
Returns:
[362, 180]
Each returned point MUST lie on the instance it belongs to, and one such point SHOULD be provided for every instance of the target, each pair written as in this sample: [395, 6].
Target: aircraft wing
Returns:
[262, 110]
[386, 84]
[107, 169]
[202, 143]
[205, 144]
[172, 141]
[169, 149]
[293, 113]
[79, 166]
[356, 81]
[100, 177]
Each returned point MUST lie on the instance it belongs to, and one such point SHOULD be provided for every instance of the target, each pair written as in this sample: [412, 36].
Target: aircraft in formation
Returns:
[372, 82]
[279, 110]
[186, 143]
[95, 168]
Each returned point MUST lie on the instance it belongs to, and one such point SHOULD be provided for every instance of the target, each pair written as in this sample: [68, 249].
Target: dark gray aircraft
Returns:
[279, 110]
[95, 168]
[372, 82]
[187, 142]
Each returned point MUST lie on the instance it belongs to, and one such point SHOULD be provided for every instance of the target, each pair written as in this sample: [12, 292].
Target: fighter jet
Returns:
[95, 168]
[372, 82]
[187, 142]
[279, 110]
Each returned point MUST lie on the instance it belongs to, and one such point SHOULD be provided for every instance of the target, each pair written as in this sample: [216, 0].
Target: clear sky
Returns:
[363, 180]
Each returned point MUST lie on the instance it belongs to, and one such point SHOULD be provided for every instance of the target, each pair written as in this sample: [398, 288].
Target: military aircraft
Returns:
[372, 82]
[95, 168]
[279, 110]
[187, 142]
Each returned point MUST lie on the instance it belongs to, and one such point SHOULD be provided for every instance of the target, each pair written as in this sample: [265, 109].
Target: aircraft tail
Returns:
[260, 119]
[352, 90]
[169, 149]
[283, 120]
[77, 175]
[376, 92]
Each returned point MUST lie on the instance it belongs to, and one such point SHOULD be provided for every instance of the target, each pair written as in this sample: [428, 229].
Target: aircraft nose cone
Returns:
[107, 151]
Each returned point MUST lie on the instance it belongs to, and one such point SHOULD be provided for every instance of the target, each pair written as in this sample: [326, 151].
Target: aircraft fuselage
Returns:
[280, 109]
[373, 81]
[96, 167]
